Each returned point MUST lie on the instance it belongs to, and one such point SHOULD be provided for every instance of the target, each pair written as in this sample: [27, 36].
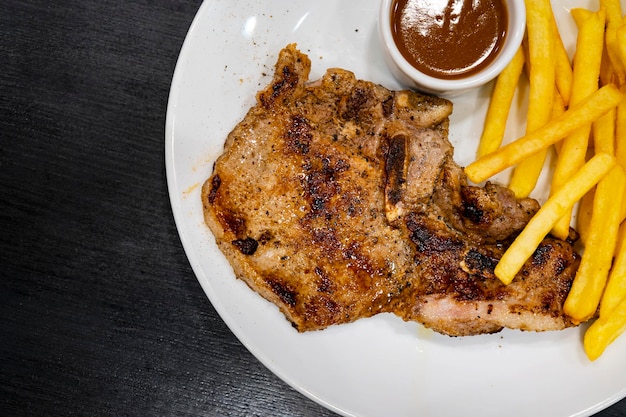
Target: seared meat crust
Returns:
[339, 199]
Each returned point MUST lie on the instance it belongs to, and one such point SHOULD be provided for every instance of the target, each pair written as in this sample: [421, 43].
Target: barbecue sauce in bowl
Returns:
[449, 39]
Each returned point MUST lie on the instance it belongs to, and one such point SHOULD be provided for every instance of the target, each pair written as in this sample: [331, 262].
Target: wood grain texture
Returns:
[100, 313]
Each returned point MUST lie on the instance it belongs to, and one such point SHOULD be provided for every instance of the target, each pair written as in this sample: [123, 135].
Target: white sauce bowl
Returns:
[411, 77]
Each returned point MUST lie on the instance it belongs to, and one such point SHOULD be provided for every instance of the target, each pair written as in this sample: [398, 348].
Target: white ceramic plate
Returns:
[379, 366]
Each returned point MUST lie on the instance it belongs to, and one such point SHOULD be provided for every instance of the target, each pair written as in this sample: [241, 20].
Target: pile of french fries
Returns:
[578, 108]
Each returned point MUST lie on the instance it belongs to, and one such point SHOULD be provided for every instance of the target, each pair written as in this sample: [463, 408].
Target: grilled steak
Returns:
[340, 199]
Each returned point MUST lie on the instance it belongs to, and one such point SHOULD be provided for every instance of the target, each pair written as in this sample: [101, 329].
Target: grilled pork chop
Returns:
[340, 199]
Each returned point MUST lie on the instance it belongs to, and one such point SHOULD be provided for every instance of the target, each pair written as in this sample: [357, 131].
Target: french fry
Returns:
[540, 59]
[580, 15]
[620, 130]
[604, 331]
[538, 227]
[587, 60]
[558, 108]
[585, 208]
[500, 104]
[584, 296]
[586, 112]
[562, 64]
[542, 80]
[606, 69]
[613, 10]
[613, 53]
[620, 34]
[604, 133]
[615, 289]
[614, 20]
[621, 239]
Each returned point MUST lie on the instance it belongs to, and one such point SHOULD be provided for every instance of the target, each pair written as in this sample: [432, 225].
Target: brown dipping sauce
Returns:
[449, 39]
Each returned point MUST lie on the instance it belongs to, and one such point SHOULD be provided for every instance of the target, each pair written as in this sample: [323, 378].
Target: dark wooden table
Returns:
[100, 312]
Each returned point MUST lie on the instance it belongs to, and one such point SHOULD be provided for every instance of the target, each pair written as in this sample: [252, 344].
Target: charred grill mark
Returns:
[353, 203]
[468, 290]
[388, 105]
[357, 259]
[298, 135]
[561, 265]
[542, 255]
[473, 206]
[320, 186]
[327, 239]
[287, 82]
[321, 309]
[562, 262]
[429, 240]
[355, 103]
[246, 246]
[265, 237]
[473, 213]
[325, 284]
[231, 222]
[216, 181]
[319, 191]
[548, 301]
[477, 263]
[340, 165]
[284, 291]
[317, 204]
[395, 168]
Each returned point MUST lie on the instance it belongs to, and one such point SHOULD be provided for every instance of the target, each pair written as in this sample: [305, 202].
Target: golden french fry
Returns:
[614, 20]
[584, 296]
[500, 104]
[562, 64]
[553, 209]
[526, 173]
[587, 60]
[540, 62]
[620, 34]
[542, 80]
[621, 239]
[613, 10]
[612, 48]
[585, 208]
[580, 15]
[606, 69]
[561, 228]
[604, 132]
[558, 108]
[615, 289]
[620, 130]
[585, 112]
[613, 123]
[604, 331]
[558, 105]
